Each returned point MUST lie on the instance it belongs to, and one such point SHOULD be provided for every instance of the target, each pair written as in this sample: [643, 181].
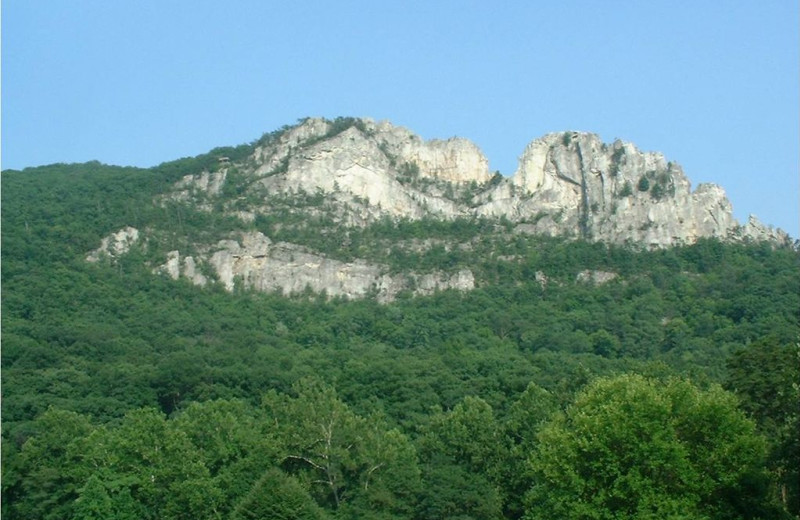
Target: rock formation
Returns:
[115, 244]
[258, 263]
[356, 171]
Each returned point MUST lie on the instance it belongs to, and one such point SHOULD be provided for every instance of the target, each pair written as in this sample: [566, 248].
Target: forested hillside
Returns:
[576, 380]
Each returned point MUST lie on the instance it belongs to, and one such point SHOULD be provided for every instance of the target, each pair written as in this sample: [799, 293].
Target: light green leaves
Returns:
[631, 447]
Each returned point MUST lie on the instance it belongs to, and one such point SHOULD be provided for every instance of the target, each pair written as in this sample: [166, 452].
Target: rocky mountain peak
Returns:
[353, 172]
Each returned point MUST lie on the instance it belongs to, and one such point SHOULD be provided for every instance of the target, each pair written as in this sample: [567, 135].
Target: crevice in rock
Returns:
[584, 216]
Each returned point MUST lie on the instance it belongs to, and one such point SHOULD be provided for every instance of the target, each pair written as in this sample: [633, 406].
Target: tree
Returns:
[148, 460]
[231, 442]
[280, 496]
[350, 463]
[631, 447]
[465, 455]
[766, 377]
[93, 502]
[47, 466]
[532, 409]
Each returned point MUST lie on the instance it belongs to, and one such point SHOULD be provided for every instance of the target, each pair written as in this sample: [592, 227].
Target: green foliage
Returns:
[347, 461]
[616, 159]
[93, 502]
[277, 495]
[463, 452]
[663, 186]
[642, 448]
[408, 173]
[660, 185]
[496, 179]
[766, 377]
[44, 483]
[643, 184]
[129, 395]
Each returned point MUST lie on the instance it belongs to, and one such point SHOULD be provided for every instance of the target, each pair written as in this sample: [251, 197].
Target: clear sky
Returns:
[713, 84]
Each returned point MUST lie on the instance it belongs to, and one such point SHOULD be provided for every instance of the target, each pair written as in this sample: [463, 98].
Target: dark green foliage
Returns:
[408, 173]
[496, 179]
[279, 496]
[348, 462]
[766, 377]
[616, 160]
[663, 186]
[660, 185]
[113, 377]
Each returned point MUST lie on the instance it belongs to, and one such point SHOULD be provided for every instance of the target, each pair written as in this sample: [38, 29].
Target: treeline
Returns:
[627, 446]
[127, 394]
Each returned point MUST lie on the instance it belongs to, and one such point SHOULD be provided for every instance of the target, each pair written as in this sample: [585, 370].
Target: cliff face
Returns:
[354, 172]
[574, 183]
[567, 183]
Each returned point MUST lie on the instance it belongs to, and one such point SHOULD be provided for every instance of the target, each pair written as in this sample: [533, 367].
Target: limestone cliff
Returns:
[567, 183]
[574, 183]
[256, 262]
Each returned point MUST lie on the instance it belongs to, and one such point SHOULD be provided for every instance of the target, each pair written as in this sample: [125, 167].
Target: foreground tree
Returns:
[277, 495]
[765, 377]
[464, 454]
[352, 465]
[631, 447]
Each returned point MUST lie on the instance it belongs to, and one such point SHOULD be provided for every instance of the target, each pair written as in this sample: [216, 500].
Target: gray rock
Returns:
[115, 245]
[568, 184]
[258, 263]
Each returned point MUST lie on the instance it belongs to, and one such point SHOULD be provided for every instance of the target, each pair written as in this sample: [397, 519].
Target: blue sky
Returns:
[711, 84]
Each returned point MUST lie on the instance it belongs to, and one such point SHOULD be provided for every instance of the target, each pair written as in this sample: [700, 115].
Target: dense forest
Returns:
[669, 391]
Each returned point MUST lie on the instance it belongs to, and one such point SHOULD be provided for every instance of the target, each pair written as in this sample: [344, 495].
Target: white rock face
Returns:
[568, 183]
[756, 231]
[361, 169]
[355, 172]
[206, 182]
[174, 268]
[348, 166]
[595, 277]
[574, 183]
[256, 262]
[115, 245]
[455, 160]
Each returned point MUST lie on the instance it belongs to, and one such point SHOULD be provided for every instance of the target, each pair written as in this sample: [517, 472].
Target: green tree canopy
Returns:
[632, 447]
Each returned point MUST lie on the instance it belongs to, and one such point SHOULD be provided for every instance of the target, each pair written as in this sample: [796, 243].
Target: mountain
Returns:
[129, 395]
[348, 174]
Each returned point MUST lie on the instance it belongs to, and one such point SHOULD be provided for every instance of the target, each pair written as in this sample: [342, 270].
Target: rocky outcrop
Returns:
[177, 266]
[595, 277]
[372, 169]
[352, 172]
[755, 231]
[115, 245]
[568, 183]
[253, 261]
[574, 183]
